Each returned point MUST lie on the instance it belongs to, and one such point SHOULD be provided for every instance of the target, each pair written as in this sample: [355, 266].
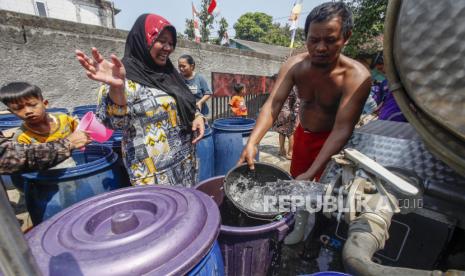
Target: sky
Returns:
[176, 11]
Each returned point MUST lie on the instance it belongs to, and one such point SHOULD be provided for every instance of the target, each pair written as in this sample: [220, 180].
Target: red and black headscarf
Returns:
[141, 68]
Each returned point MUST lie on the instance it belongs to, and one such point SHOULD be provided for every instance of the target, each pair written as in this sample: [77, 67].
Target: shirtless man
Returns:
[332, 88]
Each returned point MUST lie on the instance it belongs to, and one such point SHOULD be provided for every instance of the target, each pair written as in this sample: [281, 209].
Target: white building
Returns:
[95, 12]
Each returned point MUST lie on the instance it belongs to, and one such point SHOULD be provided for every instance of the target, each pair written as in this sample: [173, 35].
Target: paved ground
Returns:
[19, 207]
[269, 151]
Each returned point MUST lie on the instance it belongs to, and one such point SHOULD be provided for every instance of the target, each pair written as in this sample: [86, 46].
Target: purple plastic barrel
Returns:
[328, 273]
[156, 230]
[247, 251]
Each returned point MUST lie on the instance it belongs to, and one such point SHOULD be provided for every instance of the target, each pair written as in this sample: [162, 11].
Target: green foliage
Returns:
[223, 27]
[300, 38]
[206, 21]
[259, 27]
[368, 26]
[253, 26]
[189, 31]
[281, 35]
[277, 36]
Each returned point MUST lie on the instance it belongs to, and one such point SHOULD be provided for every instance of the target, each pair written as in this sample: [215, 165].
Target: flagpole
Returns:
[294, 18]
[292, 39]
[292, 43]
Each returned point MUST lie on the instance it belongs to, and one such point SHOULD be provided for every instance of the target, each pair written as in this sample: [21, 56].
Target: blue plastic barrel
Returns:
[229, 137]
[328, 273]
[206, 155]
[81, 110]
[115, 144]
[210, 265]
[81, 113]
[49, 192]
[89, 107]
[58, 110]
[8, 121]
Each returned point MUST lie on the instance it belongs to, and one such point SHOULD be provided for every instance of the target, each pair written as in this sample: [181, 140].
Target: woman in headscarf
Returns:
[146, 97]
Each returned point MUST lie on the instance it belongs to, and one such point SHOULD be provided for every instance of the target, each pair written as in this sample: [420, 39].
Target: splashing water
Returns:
[251, 194]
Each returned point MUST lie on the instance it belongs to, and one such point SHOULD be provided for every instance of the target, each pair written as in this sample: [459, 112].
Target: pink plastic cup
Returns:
[96, 130]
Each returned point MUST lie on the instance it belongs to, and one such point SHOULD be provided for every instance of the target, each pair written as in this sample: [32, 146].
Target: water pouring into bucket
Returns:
[259, 193]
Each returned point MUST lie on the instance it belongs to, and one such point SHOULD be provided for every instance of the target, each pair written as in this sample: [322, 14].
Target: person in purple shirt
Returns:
[388, 109]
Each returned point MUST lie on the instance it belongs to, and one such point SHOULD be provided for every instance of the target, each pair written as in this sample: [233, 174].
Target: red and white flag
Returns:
[196, 24]
[194, 10]
[212, 6]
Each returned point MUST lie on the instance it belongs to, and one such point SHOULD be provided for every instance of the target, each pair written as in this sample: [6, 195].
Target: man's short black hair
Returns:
[238, 87]
[14, 91]
[327, 11]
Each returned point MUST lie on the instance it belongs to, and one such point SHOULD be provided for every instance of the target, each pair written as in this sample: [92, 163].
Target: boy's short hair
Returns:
[14, 91]
[238, 87]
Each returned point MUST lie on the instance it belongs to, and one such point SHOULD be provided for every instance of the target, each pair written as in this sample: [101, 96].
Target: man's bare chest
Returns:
[326, 95]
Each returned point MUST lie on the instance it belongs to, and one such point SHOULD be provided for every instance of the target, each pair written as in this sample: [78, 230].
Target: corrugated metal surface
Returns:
[395, 144]
[429, 51]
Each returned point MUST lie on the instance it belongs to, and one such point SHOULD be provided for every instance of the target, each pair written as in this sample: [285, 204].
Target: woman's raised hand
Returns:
[97, 68]
[198, 128]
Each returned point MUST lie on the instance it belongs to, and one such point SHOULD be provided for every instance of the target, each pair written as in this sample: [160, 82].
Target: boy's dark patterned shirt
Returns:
[15, 157]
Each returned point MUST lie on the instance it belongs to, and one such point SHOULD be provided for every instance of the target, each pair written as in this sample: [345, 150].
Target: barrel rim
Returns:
[258, 215]
[220, 124]
[252, 230]
[202, 244]
[69, 173]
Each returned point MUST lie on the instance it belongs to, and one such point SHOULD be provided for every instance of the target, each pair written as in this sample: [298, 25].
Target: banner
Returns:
[294, 18]
[222, 83]
[195, 19]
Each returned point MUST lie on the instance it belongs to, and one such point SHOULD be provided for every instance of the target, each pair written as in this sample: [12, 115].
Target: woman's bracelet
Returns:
[199, 114]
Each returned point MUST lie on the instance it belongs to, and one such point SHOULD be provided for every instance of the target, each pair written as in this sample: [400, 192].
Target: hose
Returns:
[367, 235]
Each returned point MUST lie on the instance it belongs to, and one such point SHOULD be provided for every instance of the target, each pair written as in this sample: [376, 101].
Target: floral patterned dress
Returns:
[155, 148]
[287, 118]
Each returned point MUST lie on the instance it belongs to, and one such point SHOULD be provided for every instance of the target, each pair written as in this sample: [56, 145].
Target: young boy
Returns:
[237, 102]
[26, 101]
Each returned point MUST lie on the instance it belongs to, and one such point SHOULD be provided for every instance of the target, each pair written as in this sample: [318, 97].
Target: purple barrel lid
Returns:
[138, 230]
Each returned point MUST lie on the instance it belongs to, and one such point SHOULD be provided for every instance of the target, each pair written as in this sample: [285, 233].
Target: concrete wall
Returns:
[41, 51]
[81, 11]
[25, 6]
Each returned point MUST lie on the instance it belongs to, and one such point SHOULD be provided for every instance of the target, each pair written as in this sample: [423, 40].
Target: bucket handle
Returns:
[282, 231]
[276, 218]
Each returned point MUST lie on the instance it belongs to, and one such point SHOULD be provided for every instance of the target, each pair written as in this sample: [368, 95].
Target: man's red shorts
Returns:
[307, 145]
